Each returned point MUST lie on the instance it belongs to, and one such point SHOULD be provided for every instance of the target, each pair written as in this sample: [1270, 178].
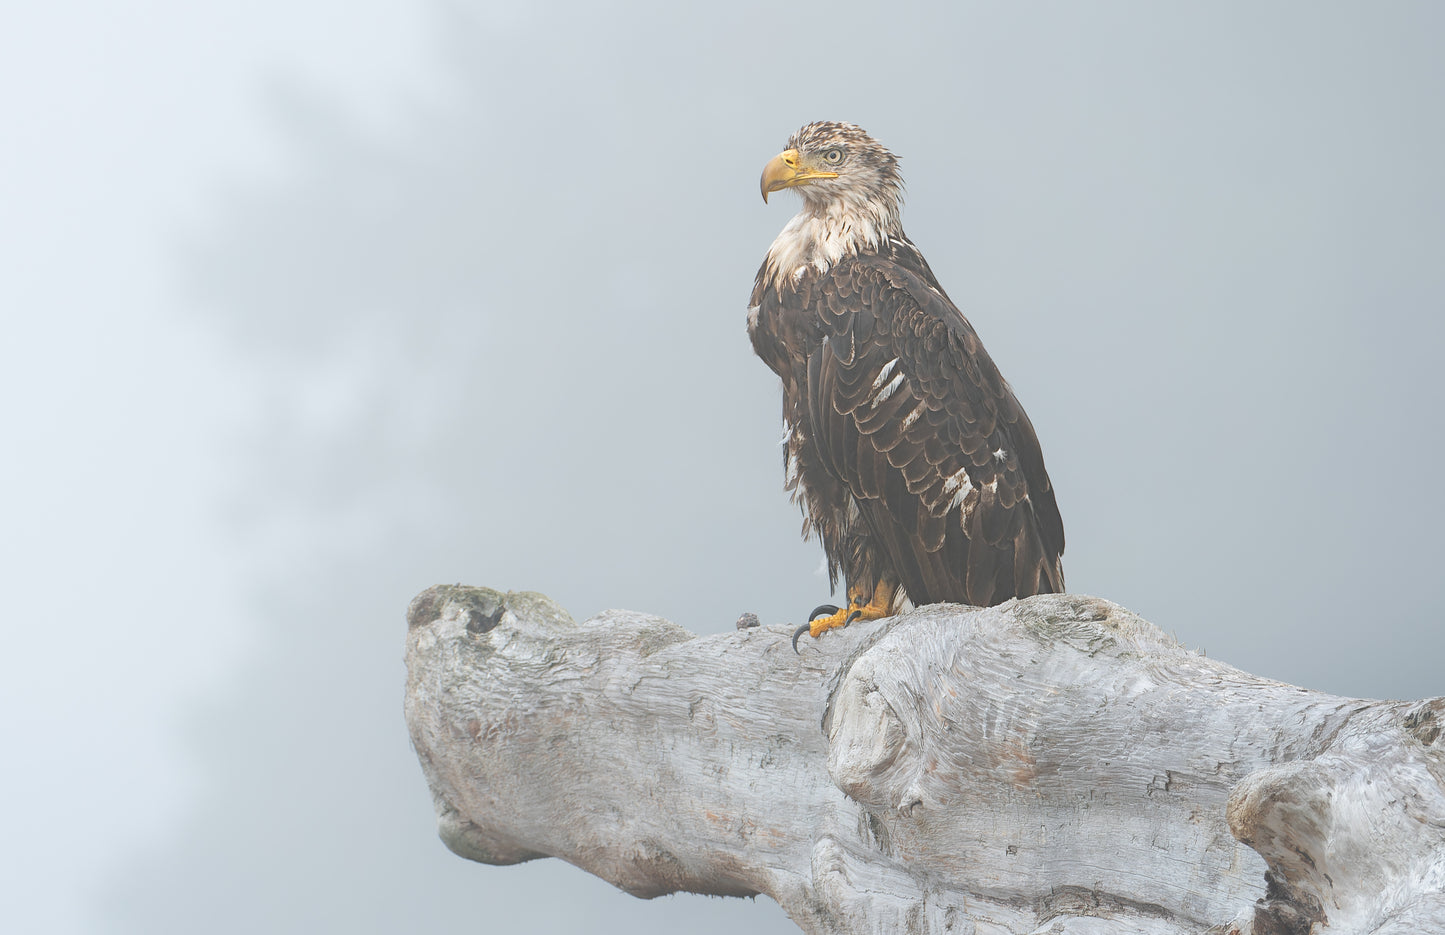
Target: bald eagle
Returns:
[914, 463]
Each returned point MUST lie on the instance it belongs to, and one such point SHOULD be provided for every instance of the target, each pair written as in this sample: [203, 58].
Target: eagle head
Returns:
[852, 197]
[836, 166]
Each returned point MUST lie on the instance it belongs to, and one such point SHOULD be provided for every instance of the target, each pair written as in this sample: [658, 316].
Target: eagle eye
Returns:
[833, 156]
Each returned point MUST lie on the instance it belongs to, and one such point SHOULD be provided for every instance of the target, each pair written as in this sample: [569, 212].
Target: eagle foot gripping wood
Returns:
[863, 604]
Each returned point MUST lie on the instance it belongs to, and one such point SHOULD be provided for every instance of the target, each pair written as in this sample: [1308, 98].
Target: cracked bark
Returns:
[1050, 765]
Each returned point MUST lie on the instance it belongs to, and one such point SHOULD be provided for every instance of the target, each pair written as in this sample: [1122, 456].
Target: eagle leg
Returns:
[863, 604]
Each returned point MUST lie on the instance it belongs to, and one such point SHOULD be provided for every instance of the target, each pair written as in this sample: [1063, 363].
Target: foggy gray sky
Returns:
[310, 306]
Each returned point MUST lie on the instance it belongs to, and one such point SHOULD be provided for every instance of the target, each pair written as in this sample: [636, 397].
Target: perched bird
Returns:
[914, 464]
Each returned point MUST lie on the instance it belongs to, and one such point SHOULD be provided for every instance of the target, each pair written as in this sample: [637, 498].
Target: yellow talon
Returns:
[861, 606]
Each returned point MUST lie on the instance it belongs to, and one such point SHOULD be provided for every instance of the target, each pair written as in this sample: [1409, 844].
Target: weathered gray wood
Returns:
[1050, 765]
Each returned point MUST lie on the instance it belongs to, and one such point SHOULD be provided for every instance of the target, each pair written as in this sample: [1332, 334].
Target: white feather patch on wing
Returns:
[887, 391]
[962, 485]
[958, 477]
[884, 374]
[913, 416]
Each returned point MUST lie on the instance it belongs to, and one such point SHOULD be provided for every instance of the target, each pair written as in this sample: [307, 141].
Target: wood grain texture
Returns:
[1055, 764]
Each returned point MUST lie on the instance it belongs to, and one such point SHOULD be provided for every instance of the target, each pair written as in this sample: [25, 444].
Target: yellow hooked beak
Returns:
[786, 170]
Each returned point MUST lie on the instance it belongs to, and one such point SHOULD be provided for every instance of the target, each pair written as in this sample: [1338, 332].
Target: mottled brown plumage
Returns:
[913, 460]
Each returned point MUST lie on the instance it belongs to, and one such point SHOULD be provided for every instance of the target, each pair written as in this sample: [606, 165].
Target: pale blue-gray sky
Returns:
[310, 306]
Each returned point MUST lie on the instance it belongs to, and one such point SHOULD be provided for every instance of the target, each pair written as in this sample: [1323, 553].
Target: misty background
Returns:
[309, 306]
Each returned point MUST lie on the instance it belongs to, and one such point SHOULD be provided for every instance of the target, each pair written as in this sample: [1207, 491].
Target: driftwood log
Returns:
[1050, 765]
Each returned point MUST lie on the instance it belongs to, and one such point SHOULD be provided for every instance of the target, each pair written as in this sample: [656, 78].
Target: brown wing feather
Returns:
[903, 404]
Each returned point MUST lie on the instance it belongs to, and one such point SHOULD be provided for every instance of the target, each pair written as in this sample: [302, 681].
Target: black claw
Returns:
[853, 616]
[823, 610]
[797, 633]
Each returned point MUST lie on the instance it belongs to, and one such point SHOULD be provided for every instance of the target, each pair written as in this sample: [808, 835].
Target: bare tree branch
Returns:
[1050, 765]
